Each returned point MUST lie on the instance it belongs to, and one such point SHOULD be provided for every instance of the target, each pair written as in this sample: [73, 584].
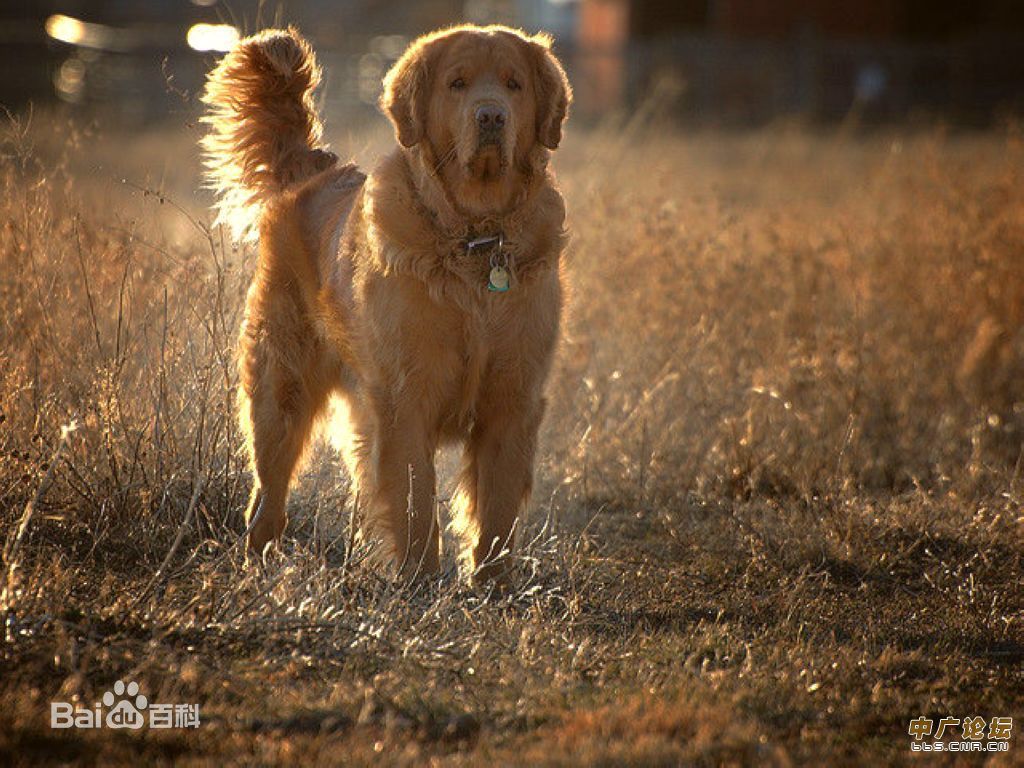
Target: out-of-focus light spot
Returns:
[212, 37]
[371, 71]
[65, 29]
[70, 79]
[389, 46]
[77, 32]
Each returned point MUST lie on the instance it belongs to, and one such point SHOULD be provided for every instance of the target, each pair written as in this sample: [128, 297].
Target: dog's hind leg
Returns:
[279, 406]
[287, 373]
[278, 412]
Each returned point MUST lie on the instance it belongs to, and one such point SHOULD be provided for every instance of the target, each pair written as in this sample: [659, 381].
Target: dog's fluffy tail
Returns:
[264, 128]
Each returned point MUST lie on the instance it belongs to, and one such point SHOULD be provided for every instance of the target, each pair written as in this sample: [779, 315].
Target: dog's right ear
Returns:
[404, 99]
[554, 94]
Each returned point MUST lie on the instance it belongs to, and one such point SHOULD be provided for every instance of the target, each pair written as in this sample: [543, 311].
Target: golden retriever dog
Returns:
[426, 296]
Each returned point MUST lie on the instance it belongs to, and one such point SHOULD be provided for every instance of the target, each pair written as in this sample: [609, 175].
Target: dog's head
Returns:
[480, 100]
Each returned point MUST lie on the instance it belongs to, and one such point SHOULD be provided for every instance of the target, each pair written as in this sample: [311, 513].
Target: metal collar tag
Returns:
[499, 279]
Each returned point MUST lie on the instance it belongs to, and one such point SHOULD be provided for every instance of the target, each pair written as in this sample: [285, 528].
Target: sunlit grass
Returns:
[778, 509]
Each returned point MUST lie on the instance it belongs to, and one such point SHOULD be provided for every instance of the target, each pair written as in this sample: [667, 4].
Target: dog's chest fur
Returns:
[453, 353]
[415, 317]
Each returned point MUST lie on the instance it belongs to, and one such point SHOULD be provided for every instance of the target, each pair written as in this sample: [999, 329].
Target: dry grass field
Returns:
[779, 502]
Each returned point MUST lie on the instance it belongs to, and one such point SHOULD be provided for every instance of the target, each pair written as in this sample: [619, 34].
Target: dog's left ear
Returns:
[554, 94]
[404, 99]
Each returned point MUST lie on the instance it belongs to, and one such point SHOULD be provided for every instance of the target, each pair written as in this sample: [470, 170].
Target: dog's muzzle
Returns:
[490, 121]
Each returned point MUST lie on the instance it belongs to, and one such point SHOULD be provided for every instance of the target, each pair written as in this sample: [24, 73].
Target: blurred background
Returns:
[715, 62]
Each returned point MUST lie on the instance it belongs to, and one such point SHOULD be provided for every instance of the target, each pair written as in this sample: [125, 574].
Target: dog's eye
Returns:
[457, 84]
[513, 84]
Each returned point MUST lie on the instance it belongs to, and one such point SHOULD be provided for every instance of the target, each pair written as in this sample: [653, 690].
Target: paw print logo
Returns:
[125, 713]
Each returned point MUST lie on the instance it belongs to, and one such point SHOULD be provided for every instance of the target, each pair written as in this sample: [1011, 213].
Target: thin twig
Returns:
[11, 550]
[200, 482]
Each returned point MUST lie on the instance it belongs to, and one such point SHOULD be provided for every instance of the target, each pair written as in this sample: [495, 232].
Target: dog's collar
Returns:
[478, 244]
[499, 278]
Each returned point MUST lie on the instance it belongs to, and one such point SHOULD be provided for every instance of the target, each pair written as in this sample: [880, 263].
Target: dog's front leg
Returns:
[405, 488]
[495, 484]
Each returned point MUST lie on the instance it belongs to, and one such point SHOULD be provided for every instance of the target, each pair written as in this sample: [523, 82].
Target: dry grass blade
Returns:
[161, 571]
[10, 558]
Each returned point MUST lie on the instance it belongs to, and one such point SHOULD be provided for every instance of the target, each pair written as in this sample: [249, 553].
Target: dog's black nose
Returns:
[491, 117]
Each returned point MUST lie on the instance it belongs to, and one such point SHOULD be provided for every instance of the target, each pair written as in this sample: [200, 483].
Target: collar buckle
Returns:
[482, 242]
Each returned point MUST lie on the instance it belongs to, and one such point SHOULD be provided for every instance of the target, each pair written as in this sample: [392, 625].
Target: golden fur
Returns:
[365, 287]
